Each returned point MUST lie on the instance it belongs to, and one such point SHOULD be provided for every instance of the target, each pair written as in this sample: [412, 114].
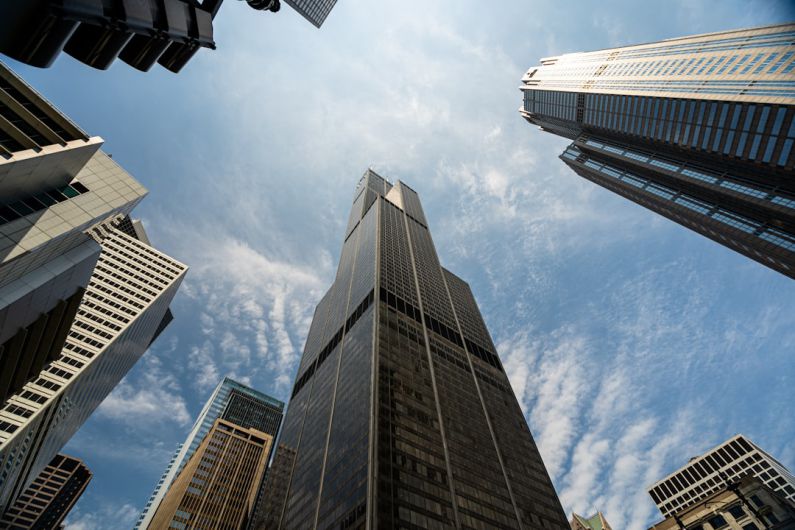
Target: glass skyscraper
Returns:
[699, 129]
[230, 401]
[402, 415]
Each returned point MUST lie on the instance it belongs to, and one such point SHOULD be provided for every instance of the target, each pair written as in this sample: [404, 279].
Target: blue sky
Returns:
[632, 343]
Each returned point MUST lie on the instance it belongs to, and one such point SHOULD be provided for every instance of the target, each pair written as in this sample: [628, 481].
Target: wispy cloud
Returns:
[107, 516]
[151, 396]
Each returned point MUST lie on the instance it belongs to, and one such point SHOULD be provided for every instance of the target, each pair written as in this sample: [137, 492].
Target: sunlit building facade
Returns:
[218, 485]
[80, 300]
[699, 129]
[401, 415]
[54, 185]
[121, 312]
[230, 401]
[744, 503]
[709, 473]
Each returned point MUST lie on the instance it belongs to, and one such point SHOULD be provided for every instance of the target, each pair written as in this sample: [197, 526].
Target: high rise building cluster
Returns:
[401, 414]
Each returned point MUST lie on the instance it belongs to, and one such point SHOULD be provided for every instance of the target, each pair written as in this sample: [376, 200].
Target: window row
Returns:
[724, 180]
[42, 201]
[731, 219]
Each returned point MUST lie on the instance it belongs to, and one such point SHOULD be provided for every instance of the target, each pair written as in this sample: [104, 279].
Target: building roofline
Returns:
[669, 40]
[702, 456]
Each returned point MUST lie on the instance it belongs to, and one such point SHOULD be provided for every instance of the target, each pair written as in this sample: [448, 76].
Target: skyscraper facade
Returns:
[54, 185]
[402, 415]
[230, 401]
[122, 309]
[699, 129]
[218, 486]
[79, 300]
[48, 500]
[711, 472]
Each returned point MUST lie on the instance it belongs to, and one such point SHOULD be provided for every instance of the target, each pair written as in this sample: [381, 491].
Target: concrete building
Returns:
[401, 415]
[48, 500]
[709, 473]
[741, 504]
[232, 402]
[54, 185]
[79, 300]
[698, 129]
[218, 486]
[122, 310]
[594, 522]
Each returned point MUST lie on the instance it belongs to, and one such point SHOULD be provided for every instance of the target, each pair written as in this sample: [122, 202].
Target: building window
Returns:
[717, 522]
[737, 512]
[39, 202]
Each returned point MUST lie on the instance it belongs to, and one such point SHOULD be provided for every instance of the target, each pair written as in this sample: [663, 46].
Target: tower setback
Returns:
[401, 415]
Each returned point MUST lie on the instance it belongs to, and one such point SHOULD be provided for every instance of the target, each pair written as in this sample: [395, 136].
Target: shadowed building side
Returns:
[50, 498]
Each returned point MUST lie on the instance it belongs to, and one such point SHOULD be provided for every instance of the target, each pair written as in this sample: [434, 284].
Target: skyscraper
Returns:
[48, 500]
[699, 129]
[230, 401]
[218, 486]
[122, 309]
[710, 472]
[401, 415]
[79, 300]
[54, 185]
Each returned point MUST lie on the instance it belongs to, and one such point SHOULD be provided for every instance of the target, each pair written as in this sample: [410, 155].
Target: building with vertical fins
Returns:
[594, 522]
[218, 485]
[230, 401]
[743, 503]
[401, 415]
[50, 498]
[710, 473]
[80, 301]
[698, 129]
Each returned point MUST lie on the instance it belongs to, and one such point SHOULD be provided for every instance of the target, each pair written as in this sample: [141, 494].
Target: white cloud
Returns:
[106, 517]
[149, 396]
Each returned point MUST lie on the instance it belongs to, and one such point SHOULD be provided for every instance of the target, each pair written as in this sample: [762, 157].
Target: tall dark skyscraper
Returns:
[401, 415]
[699, 129]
